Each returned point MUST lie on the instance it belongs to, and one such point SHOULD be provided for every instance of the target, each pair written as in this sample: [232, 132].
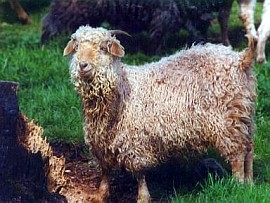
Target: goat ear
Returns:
[69, 48]
[115, 48]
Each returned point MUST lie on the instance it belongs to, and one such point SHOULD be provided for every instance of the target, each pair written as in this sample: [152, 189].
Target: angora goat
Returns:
[137, 117]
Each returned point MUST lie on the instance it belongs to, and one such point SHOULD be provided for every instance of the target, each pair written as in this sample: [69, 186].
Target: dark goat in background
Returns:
[157, 17]
[197, 14]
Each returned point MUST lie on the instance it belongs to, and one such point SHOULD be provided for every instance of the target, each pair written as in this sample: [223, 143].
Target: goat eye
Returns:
[76, 47]
[102, 48]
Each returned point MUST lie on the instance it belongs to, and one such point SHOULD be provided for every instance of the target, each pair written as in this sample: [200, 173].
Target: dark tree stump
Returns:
[22, 176]
[8, 122]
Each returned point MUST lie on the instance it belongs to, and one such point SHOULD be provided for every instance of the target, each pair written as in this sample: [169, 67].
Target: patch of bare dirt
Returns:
[83, 176]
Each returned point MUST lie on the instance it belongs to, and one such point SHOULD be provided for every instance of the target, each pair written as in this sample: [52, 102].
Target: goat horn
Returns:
[119, 32]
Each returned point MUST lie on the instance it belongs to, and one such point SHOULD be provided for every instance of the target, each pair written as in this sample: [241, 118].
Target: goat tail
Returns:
[248, 55]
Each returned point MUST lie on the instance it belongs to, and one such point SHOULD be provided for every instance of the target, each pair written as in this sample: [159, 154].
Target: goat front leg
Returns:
[143, 193]
[247, 8]
[103, 191]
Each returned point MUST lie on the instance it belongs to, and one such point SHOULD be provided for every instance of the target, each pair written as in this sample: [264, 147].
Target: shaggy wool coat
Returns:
[139, 116]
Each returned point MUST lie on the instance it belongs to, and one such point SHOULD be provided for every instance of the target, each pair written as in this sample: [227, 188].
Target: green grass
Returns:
[46, 93]
[47, 96]
[227, 191]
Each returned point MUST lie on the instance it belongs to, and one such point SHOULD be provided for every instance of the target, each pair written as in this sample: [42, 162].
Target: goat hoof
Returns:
[261, 59]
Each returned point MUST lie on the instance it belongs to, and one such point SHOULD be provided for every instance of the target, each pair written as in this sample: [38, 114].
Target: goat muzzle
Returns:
[85, 69]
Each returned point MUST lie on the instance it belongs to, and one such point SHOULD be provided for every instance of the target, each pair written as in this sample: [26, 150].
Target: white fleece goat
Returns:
[137, 117]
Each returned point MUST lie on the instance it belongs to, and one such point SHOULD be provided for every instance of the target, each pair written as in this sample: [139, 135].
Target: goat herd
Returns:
[137, 117]
[158, 17]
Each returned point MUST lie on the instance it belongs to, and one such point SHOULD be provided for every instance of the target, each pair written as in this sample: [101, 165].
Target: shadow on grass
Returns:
[261, 170]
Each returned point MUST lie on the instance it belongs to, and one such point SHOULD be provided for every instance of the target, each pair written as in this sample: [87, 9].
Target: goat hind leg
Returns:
[237, 162]
[235, 153]
[249, 163]
[262, 38]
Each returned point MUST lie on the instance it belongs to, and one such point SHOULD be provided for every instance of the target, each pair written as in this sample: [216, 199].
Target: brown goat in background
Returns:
[21, 13]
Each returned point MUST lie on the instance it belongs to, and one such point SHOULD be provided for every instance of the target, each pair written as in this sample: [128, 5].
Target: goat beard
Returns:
[98, 95]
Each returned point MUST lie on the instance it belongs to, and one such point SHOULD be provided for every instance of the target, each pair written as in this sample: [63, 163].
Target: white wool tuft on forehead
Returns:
[88, 33]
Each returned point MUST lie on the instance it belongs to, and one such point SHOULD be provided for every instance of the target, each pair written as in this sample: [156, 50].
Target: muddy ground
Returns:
[83, 175]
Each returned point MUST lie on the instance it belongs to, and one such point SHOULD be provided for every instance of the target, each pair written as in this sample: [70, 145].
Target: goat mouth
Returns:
[85, 72]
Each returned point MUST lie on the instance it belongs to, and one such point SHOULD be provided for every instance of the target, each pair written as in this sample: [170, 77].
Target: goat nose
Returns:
[83, 65]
